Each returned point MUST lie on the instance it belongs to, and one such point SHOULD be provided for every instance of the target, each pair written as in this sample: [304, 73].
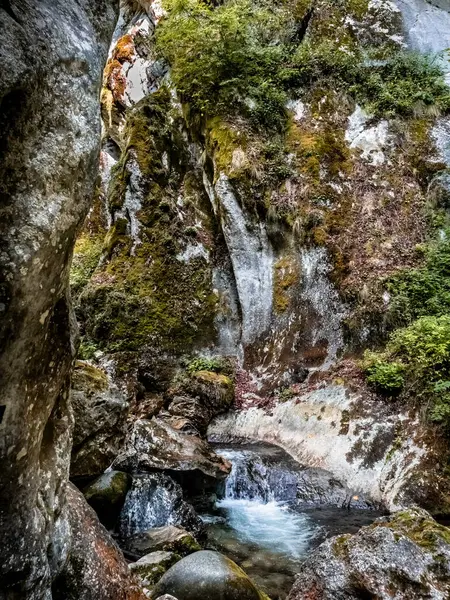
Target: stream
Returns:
[272, 512]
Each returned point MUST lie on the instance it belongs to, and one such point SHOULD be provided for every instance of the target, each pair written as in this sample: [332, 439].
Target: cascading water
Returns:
[272, 512]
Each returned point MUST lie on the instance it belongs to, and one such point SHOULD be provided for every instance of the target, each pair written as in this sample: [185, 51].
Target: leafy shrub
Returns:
[424, 290]
[406, 84]
[87, 350]
[241, 57]
[205, 364]
[416, 361]
[223, 58]
[388, 378]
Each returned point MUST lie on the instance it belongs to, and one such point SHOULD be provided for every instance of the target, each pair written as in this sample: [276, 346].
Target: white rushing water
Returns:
[258, 513]
[270, 525]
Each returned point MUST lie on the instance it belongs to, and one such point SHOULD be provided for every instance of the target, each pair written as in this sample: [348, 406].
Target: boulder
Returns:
[168, 539]
[199, 398]
[155, 500]
[154, 445]
[107, 494]
[151, 567]
[100, 411]
[207, 575]
[404, 556]
[95, 568]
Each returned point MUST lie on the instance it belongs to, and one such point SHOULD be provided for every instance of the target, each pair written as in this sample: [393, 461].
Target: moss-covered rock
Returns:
[166, 539]
[154, 288]
[151, 567]
[406, 555]
[100, 411]
[208, 574]
[107, 494]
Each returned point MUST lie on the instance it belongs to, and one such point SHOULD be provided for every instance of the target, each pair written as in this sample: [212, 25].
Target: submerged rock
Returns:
[404, 556]
[100, 411]
[168, 539]
[155, 445]
[95, 568]
[205, 575]
[107, 494]
[155, 500]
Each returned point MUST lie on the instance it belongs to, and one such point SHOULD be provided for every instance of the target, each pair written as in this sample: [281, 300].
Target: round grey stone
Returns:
[207, 575]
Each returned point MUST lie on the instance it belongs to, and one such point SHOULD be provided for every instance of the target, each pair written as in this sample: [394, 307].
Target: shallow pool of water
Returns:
[260, 524]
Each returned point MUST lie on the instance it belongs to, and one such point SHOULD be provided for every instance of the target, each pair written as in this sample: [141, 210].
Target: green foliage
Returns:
[405, 84]
[214, 365]
[420, 356]
[87, 350]
[242, 57]
[225, 58]
[424, 290]
[387, 377]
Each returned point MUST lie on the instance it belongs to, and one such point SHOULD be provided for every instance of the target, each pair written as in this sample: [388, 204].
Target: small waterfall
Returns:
[248, 478]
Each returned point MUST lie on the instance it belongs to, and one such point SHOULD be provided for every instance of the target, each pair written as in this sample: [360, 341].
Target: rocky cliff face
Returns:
[217, 231]
[273, 186]
[52, 54]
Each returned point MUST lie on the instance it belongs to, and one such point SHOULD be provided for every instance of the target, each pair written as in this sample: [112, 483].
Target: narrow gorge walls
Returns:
[52, 55]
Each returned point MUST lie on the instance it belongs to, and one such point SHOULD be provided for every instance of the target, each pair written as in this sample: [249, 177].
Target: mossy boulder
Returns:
[167, 539]
[406, 555]
[197, 399]
[100, 411]
[205, 575]
[151, 567]
[107, 494]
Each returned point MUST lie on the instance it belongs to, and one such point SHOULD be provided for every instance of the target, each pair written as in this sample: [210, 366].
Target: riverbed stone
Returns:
[168, 539]
[404, 556]
[154, 445]
[151, 567]
[207, 575]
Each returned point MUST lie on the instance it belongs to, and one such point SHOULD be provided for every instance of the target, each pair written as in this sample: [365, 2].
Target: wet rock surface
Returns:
[100, 412]
[95, 568]
[403, 556]
[168, 539]
[155, 445]
[206, 575]
[52, 54]
[155, 500]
